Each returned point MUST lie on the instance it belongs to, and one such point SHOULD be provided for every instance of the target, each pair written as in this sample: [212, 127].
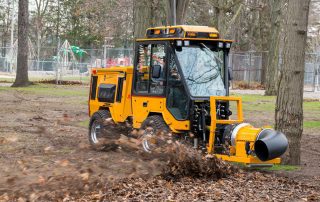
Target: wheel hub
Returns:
[95, 132]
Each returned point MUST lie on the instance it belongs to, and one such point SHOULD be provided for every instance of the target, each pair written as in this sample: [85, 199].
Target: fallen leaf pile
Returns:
[175, 172]
[242, 186]
[60, 82]
[184, 161]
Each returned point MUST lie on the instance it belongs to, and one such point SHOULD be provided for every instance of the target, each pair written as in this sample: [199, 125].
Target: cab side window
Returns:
[177, 97]
[150, 76]
[157, 67]
[143, 69]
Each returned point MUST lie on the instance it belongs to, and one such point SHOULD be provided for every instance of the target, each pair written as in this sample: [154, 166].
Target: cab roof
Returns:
[190, 28]
[183, 32]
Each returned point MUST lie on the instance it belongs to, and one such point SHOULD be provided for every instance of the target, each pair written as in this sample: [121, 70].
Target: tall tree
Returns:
[146, 14]
[41, 10]
[265, 32]
[142, 17]
[180, 7]
[226, 13]
[6, 15]
[274, 44]
[23, 49]
[289, 111]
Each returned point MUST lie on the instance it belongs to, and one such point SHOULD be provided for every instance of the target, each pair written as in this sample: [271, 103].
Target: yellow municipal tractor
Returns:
[180, 82]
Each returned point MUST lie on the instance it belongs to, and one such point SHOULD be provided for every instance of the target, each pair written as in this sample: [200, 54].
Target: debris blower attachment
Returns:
[245, 143]
[254, 145]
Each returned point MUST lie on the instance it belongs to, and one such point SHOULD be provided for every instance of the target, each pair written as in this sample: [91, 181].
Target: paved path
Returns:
[5, 84]
[6, 77]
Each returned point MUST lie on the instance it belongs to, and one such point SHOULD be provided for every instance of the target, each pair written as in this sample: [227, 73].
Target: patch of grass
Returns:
[85, 79]
[257, 102]
[259, 107]
[7, 80]
[273, 168]
[84, 124]
[311, 124]
[282, 168]
[51, 90]
[312, 106]
[267, 103]
[255, 98]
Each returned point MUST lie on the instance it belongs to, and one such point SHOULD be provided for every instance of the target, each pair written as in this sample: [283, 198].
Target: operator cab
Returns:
[184, 64]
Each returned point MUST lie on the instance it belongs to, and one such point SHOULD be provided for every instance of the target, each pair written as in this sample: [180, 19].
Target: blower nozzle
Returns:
[270, 144]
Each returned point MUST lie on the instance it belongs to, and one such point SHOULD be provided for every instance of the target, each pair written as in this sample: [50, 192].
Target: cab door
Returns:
[149, 84]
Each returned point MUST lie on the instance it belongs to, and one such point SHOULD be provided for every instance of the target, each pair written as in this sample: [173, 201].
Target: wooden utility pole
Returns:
[289, 111]
[23, 49]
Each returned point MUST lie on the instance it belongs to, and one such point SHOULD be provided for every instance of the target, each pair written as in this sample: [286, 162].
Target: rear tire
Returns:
[96, 125]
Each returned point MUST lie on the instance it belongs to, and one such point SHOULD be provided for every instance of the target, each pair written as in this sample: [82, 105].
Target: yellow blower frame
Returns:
[245, 134]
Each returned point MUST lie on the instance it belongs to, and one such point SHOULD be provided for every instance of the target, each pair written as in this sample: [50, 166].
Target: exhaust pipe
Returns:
[270, 144]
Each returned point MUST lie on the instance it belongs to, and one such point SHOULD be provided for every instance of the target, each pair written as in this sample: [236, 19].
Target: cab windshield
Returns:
[203, 70]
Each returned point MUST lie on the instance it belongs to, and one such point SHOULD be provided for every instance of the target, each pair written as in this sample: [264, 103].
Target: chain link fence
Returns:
[248, 70]
[247, 67]
[312, 70]
[78, 68]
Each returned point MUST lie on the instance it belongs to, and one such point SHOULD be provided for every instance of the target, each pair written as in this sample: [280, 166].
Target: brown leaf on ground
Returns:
[85, 176]
[3, 140]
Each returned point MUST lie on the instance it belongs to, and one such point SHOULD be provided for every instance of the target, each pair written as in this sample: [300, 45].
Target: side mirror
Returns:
[156, 71]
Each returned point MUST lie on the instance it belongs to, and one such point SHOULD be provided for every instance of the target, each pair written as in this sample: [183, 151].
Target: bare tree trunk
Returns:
[221, 17]
[265, 31]
[181, 9]
[147, 13]
[289, 111]
[41, 9]
[23, 49]
[142, 17]
[182, 6]
[58, 21]
[222, 21]
[273, 56]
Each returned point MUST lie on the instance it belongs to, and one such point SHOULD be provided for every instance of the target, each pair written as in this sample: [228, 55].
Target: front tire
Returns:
[155, 133]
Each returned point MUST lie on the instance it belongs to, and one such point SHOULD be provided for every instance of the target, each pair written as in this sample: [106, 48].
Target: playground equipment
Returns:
[65, 60]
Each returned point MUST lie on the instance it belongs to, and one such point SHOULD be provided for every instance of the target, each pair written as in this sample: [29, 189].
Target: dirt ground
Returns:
[45, 156]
